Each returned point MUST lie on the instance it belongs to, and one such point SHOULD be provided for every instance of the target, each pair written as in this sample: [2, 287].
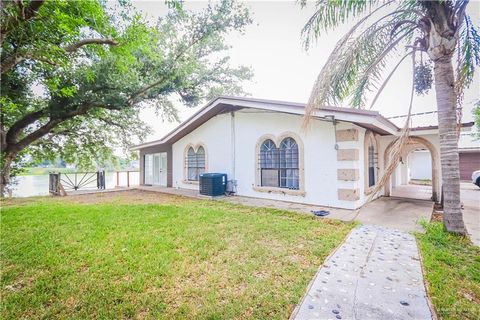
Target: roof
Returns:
[469, 142]
[429, 119]
[372, 120]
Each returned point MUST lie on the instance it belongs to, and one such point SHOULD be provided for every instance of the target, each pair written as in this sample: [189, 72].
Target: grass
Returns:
[173, 258]
[452, 271]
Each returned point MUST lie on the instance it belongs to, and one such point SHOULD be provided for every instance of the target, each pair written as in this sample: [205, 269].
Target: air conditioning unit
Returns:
[213, 184]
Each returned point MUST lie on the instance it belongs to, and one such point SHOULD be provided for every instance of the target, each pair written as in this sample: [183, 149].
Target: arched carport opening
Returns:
[400, 185]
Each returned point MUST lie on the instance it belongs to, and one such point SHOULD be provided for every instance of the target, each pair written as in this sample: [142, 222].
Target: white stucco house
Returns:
[265, 152]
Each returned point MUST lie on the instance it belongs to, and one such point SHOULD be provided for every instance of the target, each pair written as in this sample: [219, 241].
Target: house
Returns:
[262, 147]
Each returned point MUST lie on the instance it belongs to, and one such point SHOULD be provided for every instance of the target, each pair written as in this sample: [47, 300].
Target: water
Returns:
[37, 185]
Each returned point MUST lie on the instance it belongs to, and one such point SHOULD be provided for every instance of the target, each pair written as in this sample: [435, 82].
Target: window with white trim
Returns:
[279, 165]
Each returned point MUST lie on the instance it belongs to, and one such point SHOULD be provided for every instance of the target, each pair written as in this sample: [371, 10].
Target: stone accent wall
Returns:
[348, 194]
[347, 154]
[347, 174]
[347, 135]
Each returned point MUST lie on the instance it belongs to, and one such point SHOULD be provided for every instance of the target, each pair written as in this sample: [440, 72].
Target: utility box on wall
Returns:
[213, 184]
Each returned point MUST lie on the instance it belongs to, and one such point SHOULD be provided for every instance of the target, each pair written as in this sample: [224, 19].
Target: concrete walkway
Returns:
[396, 213]
[412, 191]
[375, 274]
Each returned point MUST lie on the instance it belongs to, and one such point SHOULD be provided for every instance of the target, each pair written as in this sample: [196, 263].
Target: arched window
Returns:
[371, 159]
[269, 164]
[289, 164]
[279, 166]
[195, 163]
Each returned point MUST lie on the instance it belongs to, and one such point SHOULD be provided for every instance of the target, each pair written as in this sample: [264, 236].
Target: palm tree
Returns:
[385, 34]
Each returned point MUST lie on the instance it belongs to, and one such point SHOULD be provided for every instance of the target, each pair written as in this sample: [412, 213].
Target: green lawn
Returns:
[452, 271]
[175, 259]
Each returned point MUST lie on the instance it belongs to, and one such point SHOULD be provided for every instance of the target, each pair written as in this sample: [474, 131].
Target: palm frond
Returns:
[385, 82]
[398, 146]
[332, 13]
[468, 58]
[371, 76]
[356, 65]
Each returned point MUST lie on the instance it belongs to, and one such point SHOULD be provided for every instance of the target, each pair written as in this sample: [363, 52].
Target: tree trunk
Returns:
[447, 128]
[5, 174]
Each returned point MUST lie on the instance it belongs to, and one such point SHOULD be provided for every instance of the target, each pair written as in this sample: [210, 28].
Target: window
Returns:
[279, 166]
[371, 159]
[195, 163]
[148, 165]
[289, 164]
[269, 164]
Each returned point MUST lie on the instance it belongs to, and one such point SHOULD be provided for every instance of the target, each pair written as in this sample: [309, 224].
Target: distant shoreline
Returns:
[39, 171]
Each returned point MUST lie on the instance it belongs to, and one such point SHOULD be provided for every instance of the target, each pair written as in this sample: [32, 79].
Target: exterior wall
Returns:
[329, 176]
[322, 170]
[215, 136]
[156, 149]
[321, 184]
[420, 165]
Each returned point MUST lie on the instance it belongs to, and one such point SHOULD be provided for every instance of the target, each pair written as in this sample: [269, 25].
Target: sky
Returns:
[283, 70]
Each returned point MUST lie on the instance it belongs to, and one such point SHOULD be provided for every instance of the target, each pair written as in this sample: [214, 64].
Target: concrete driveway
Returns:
[396, 213]
[470, 195]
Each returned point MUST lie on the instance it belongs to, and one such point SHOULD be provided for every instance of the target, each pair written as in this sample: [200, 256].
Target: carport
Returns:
[396, 213]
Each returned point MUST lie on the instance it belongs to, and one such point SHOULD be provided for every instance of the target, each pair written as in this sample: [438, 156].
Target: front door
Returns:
[163, 169]
[156, 169]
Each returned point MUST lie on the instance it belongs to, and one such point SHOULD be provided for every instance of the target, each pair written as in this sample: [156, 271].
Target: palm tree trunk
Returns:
[447, 125]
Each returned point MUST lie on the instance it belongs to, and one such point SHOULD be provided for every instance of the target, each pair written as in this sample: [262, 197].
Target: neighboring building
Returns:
[261, 145]
[469, 153]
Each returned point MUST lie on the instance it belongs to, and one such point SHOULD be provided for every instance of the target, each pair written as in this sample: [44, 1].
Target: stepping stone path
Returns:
[375, 274]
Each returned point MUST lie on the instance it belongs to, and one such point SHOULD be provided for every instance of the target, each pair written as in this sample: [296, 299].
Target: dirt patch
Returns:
[470, 296]
[127, 197]
[21, 201]
[120, 197]
[436, 217]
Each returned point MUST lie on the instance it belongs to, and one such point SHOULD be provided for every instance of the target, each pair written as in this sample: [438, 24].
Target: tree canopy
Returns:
[385, 33]
[75, 74]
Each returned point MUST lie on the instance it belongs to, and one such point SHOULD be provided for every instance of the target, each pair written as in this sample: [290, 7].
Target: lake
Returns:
[37, 185]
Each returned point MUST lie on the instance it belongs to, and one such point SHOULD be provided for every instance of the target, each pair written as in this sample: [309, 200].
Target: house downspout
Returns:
[232, 135]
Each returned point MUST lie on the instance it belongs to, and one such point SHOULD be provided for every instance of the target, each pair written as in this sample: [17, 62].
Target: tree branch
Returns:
[17, 127]
[32, 9]
[47, 128]
[14, 59]
[26, 14]
[156, 83]
[75, 46]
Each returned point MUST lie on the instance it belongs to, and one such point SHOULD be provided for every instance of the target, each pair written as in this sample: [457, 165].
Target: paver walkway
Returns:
[375, 274]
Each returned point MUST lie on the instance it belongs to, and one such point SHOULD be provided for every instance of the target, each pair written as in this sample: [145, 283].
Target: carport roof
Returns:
[372, 120]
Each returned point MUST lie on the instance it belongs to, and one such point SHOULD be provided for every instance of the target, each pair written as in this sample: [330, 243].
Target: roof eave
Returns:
[372, 118]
